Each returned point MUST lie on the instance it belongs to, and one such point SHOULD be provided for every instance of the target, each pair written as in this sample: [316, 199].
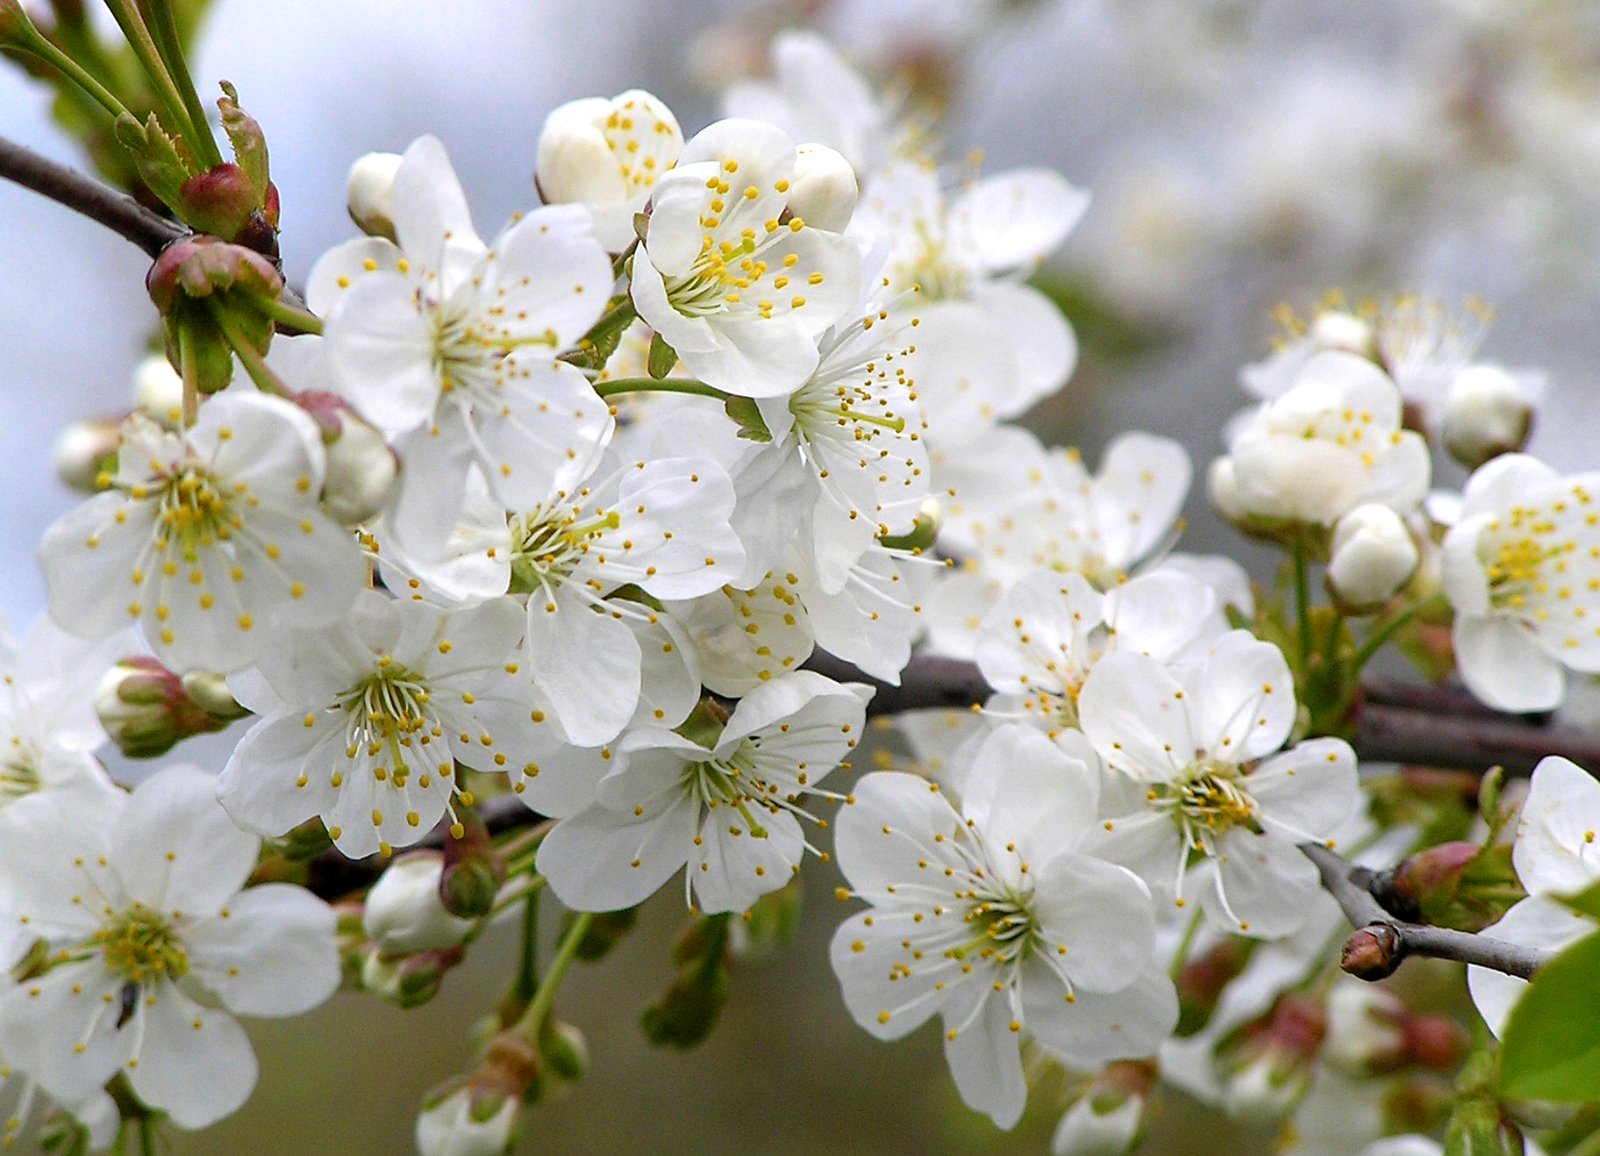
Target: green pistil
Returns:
[142, 947]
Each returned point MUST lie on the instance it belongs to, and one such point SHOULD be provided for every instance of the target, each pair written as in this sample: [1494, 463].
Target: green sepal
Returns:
[662, 357]
[747, 415]
[156, 156]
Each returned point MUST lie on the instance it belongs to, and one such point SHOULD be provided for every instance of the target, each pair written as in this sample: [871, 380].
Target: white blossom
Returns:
[138, 899]
[208, 541]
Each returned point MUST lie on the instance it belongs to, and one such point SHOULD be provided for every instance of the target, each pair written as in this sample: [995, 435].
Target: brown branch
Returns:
[83, 194]
[1382, 942]
[1466, 742]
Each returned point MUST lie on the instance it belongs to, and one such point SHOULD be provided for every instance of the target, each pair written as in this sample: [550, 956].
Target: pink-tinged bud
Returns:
[369, 193]
[1371, 953]
[404, 914]
[196, 268]
[218, 201]
[362, 469]
[1461, 885]
[1270, 1060]
[1418, 1103]
[1109, 1118]
[85, 452]
[409, 980]
[1203, 980]
[146, 709]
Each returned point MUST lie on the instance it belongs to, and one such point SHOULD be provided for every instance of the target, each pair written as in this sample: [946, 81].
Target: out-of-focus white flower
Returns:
[607, 156]
[1489, 412]
[1108, 1119]
[158, 391]
[1521, 569]
[133, 895]
[369, 193]
[81, 450]
[403, 912]
[1325, 446]
[1372, 556]
[1332, 329]
[207, 541]
[993, 918]
[468, 1123]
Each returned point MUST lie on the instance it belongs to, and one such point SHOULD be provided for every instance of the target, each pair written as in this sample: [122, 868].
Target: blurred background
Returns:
[1241, 154]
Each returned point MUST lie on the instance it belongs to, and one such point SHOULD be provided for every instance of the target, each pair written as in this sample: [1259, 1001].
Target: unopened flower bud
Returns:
[408, 980]
[198, 274]
[563, 1048]
[1271, 1061]
[605, 931]
[1416, 1103]
[1373, 952]
[158, 391]
[687, 1011]
[369, 193]
[404, 912]
[824, 190]
[1345, 332]
[146, 709]
[769, 923]
[1487, 414]
[362, 469]
[1222, 487]
[219, 201]
[306, 841]
[1109, 1119]
[468, 1121]
[1461, 885]
[16, 29]
[83, 451]
[1203, 980]
[1365, 1037]
[1373, 556]
[607, 156]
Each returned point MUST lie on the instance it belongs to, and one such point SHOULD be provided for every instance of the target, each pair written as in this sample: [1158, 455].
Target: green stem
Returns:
[74, 72]
[285, 314]
[651, 385]
[1589, 1147]
[1382, 632]
[191, 379]
[147, 1137]
[1180, 958]
[1302, 599]
[161, 85]
[526, 984]
[539, 1010]
[254, 364]
[170, 48]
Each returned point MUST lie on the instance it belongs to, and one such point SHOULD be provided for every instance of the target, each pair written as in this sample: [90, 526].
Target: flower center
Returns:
[142, 947]
[195, 513]
[19, 774]
[1004, 928]
[1209, 801]
[939, 276]
[731, 782]
[1515, 566]
[388, 713]
[548, 544]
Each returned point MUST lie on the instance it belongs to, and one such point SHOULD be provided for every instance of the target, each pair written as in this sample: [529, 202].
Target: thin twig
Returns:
[99, 202]
[1382, 942]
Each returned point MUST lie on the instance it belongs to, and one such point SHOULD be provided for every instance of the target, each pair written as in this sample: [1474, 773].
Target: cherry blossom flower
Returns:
[607, 156]
[723, 809]
[992, 917]
[153, 946]
[738, 291]
[214, 538]
[363, 723]
[451, 344]
[1200, 737]
[1521, 568]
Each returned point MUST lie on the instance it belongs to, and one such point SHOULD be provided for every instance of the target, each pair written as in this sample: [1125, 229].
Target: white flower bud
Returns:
[361, 470]
[158, 391]
[404, 912]
[369, 193]
[1487, 414]
[1084, 1131]
[1265, 1090]
[466, 1123]
[1365, 1036]
[824, 190]
[1373, 556]
[1343, 331]
[607, 155]
[1223, 489]
[80, 451]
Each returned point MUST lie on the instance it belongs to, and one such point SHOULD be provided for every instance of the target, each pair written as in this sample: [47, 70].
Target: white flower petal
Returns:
[272, 954]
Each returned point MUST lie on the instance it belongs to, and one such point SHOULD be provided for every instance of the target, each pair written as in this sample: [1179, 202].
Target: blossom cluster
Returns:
[579, 515]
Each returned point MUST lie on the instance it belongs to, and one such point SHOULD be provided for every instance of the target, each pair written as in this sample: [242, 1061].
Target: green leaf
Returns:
[662, 357]
[752, 426]
[1551, 1046]
[1585, 902]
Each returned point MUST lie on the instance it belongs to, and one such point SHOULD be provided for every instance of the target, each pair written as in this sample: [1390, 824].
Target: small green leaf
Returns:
[662, 357]
[1551, 1046]
[1585, 902]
